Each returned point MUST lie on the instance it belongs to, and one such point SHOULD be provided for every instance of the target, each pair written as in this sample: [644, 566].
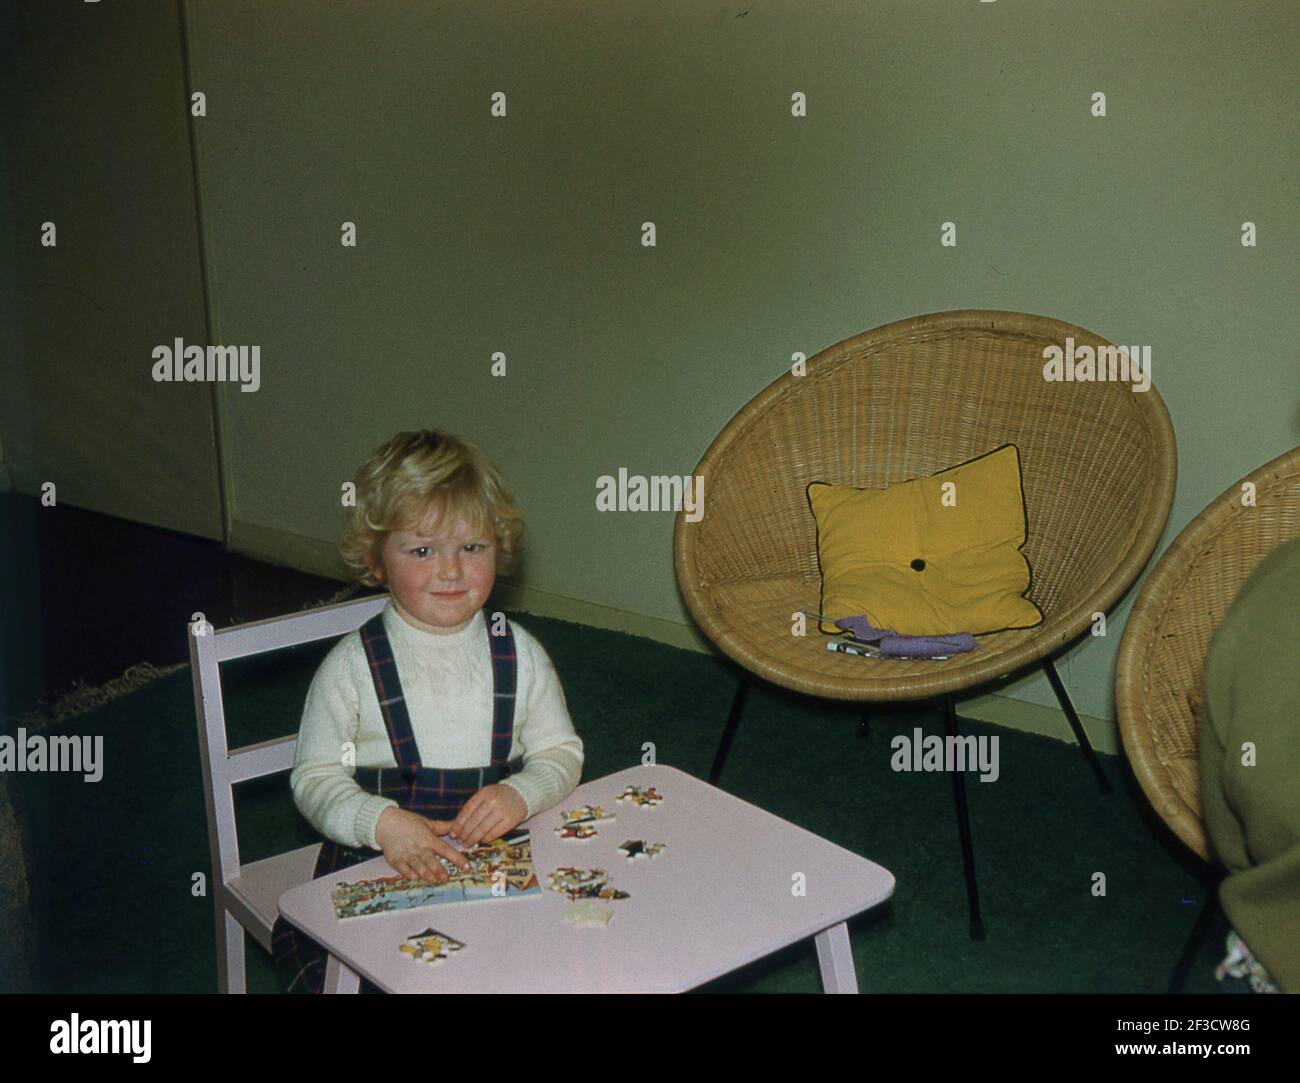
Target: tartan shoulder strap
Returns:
[505, 676]
[388, 691]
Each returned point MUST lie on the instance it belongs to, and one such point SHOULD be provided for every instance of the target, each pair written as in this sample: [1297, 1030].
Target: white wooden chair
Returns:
[247, 897]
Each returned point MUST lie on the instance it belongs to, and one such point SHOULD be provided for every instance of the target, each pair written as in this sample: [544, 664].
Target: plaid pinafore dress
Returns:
[433, 792]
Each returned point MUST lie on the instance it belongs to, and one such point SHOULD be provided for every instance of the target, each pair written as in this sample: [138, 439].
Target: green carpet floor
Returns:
[114, 861]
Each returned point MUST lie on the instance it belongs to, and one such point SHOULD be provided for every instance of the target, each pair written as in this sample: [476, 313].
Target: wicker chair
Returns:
[1162, 654]
[907, 400]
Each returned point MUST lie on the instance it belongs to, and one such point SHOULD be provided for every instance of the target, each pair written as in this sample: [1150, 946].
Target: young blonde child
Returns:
[458, 721]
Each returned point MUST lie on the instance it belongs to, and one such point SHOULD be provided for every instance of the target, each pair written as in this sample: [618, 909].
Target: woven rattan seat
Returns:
[1166, 637]
[904, 401]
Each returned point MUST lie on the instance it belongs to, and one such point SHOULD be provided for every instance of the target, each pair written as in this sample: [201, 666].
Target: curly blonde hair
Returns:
[418, 474]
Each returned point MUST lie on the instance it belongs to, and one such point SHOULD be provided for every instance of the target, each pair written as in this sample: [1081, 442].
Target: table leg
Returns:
[835, 957]
[341, 978]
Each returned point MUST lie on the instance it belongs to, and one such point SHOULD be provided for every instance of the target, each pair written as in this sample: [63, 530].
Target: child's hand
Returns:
[488, 815]
[411, 844]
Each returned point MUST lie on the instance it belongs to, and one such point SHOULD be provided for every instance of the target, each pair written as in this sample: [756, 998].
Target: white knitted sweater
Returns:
[447, 682]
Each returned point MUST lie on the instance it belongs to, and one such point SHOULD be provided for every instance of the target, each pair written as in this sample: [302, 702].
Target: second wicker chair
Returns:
[1159, 672]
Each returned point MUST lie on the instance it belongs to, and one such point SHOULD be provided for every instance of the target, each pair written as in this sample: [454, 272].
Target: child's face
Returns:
[440, 582]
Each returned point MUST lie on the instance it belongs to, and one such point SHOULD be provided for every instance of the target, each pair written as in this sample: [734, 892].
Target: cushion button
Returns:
[918, 565]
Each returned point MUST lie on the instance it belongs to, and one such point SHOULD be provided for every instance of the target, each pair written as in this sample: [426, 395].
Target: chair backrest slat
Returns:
[261, 636]
[263, 758]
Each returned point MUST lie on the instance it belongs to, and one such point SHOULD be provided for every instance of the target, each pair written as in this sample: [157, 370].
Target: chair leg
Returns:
[232, 976]
[1204, 920]
[963, 827]
[1103, 784]
[729, 731]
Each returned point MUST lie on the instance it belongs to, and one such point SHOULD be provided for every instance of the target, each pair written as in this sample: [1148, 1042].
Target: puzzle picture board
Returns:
[498, 870]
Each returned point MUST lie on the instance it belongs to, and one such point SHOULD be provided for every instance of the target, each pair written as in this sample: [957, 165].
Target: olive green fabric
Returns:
[1252, 811]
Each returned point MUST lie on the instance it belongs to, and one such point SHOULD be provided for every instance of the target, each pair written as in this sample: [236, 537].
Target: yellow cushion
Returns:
[923, 558]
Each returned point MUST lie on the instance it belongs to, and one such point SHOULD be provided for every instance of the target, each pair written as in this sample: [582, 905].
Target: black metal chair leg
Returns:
[1204, 920]
[1063, 696]
[729, 731]
[963, 827]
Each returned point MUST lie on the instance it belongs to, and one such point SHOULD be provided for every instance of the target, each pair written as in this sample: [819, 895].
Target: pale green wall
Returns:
[775, 234]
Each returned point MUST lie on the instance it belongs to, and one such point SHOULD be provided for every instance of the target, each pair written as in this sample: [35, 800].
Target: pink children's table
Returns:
[733, 884]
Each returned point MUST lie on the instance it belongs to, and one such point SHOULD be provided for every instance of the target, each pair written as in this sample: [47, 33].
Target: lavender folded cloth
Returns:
[896, 646]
